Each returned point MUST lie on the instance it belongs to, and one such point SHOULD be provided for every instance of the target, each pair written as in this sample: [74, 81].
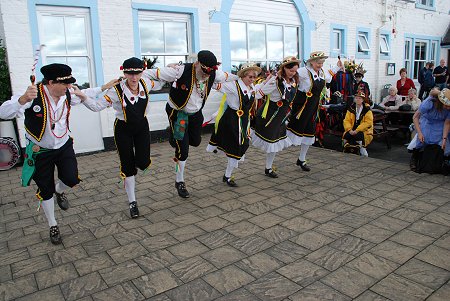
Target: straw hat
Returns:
[246, 67]
[317, 55]
[444, 96]
[289, 60]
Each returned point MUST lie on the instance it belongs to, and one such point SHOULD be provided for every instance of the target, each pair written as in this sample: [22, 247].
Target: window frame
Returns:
[343, 43]
[430, 5]
[365, 33]
[386, 36]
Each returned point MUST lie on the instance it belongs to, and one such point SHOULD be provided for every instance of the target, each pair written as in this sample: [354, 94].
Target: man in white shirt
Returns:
[46, 107]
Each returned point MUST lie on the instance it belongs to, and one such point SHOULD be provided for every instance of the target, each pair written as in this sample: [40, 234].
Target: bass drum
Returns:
[9, 153]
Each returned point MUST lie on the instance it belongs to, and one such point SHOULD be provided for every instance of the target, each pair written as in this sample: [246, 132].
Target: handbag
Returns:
[405, 107]
[431, 160]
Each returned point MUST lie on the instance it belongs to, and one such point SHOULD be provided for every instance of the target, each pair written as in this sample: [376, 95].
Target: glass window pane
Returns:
[384, 46]
[363, 44]
[407, 49]
[336, 40]
[256, 41]
[290, 41]
[175, 59]
[53, 35]
[274, 42]
[53, 60]
[176, 37]
[152, 36]
[80, 70]
[238, 40]
[76, 35]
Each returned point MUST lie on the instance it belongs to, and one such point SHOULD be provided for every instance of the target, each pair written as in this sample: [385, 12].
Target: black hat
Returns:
[133, 65]
[58, 72]
[207, 58]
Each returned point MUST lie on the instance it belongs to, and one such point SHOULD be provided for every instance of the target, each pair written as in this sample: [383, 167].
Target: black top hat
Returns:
[58, 72]
[207, 58]
[133, 65]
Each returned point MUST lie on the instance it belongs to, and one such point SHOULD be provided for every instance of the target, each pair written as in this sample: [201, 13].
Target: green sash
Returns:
[180, 125]
[28, 169]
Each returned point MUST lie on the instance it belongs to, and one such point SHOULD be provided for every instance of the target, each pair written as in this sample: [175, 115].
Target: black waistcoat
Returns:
[180, 94]
[133, 113]
[36, 115]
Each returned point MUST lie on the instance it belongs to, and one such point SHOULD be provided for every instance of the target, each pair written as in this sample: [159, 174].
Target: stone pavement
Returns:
[352, 228]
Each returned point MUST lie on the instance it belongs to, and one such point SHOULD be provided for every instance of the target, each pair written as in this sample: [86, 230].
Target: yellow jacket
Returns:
[366, 124]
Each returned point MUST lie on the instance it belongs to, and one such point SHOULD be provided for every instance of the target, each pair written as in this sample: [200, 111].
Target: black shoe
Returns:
[181, 188]
[270, 173]
[414, 160]
[55, 237]
[62, 201]
[134, 211]
[303, 165]
[230, 181]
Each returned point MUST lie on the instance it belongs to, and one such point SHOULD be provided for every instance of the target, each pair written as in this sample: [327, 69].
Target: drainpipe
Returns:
[384, 19]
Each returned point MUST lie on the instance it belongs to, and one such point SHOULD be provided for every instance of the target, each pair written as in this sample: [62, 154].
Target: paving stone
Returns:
[188, 249]
[100, 245]
[318, 292]
[287, 251]
[311, 240]
[352, 219]
[159, 228]
[197, 290]
[93, 263]
[223, 256]
[19, 287]
[127, 252]
[329, 258]
[124, 291]
[272, 287]
[186, 219]
[389, 223]
[228, 279]
[395, 287]
[156, 282]
[348, 281]
[67, 255]
[237, 215]
[186, 232]
[412, 239]
[333, 229]
[443, 242]
[239, 295]
[83, 286]
[277, 234]
[266, 220]
[441, 294]
[191, 268]
[287, 211]
[372, 233]
[212, 224]
[5, 273]
[56, 275]
[370, 296]
[158, 242]
[437, 256]
[299, 224]
[428, 228]
[424, 273]
[243, 229]
[259, 208]
[23, 242]
[131, 236]
[352, 245]
[156, 260]
[320, 215]
[385, 203]
[406, 214]
[438, 218]
[216, 239]
[30, 266]
[303, 272]
[50, 294]
[259, 264]
[394, 251]
[13, 256]
[306, 204]
[375, 266]
[121, 273]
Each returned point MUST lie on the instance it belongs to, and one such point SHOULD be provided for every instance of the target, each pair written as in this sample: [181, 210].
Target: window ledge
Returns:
[421, 6]
[360, 55]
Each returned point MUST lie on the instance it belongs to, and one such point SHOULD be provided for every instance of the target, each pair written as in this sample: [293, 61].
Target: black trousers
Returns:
[133, 145]
[192, 135]
[66, 163]
[352, 139]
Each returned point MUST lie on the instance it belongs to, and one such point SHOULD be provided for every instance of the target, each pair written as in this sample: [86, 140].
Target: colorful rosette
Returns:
[309, 94]
[280, 103]
[240, 113]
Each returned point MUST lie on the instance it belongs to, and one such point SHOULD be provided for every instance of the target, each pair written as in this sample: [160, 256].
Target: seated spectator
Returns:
[429, 123]
[412, 100]
[393, 101]
[404, 83]
[358, 124]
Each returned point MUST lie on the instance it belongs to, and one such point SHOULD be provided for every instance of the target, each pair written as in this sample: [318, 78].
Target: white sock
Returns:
[180, 172]
[49, 210]
[303, 150]
[130, 184]
[363, 151]
[229, 169]
[60, 187]
[269, 160]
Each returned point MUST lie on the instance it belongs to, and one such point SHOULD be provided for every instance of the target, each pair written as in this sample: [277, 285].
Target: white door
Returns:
[66, 33]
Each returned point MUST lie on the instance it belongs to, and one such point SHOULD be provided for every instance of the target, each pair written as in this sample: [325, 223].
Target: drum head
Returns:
[9, 153]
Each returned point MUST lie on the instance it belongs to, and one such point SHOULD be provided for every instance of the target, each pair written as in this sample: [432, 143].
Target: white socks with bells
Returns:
[269, 160]
[49, 210]
[180, 172]
[303, 150]
[130, 185]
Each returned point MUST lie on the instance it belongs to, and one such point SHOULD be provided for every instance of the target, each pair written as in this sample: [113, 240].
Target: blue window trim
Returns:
[223, 18]
[429, 39]
[343, 29]
[95, 30]
[426, 7]
[366, 31]
[387, 34]
[193, 12]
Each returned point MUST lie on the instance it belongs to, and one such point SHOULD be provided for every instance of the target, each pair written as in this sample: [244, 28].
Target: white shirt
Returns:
[358, 111]
[51, 139]
[110, 98]
[305, 81]
[171, 74]
[232, 92]
[270, 87]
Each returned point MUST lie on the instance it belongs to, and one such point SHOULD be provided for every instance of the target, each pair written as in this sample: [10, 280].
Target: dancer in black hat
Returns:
[46, 107]
[192, 83]
[130, 98]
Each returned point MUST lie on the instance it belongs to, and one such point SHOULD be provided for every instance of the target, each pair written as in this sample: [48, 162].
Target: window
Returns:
[65, 31]
[433, 52]
[166, 36]
[407, 54]
[384, 44]
[266, 44]
[420, 56]
[425, 4]
[363, 44]
[338, 40]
